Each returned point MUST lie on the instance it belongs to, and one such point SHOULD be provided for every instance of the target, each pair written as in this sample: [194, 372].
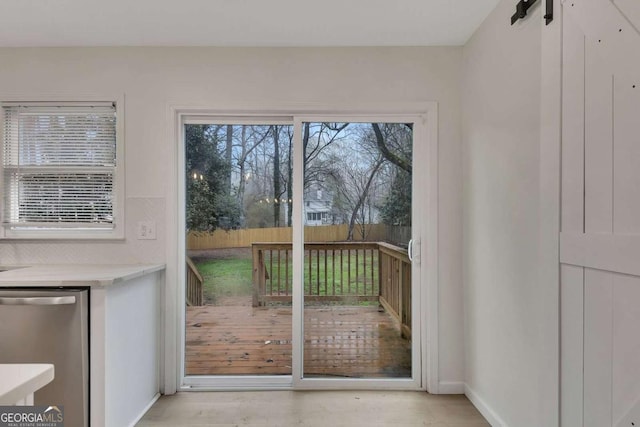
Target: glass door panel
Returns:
[239, 256]
[357, 273]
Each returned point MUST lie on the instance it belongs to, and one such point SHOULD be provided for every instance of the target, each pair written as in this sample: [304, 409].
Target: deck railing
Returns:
[395, 287]
[343, 271]
[194, 290]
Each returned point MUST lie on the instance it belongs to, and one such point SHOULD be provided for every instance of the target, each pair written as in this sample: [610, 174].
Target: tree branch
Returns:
[384, 150]
[361, 198]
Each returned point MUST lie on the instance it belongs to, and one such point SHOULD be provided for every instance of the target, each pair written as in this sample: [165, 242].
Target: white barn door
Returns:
[600, 214]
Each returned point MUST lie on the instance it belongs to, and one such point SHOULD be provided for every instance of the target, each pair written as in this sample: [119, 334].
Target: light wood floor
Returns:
[313, 409]
[347, 341]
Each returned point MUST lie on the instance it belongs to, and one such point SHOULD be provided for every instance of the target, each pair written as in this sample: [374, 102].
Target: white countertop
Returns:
[20, 380]
[75, 274]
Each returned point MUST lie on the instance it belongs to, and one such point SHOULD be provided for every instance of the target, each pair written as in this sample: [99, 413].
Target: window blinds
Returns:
[59, 166]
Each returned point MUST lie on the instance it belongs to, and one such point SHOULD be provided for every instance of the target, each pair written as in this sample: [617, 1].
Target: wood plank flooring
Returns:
[348, 341]
[313, 409]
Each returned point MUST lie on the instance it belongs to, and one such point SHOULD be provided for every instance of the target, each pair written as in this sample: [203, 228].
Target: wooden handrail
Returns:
[194, 285]
[394, 251]
[339, 271]
[323, 245]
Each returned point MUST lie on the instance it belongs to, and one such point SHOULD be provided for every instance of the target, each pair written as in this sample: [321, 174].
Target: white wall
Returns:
[504, 303]
[152, 79]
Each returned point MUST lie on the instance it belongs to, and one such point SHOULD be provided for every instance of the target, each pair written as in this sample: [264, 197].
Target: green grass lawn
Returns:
[342, 276]
[225, 277]
[233, 277]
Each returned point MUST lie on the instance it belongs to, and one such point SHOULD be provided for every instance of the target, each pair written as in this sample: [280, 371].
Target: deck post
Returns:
[400, 274]
[258, 274]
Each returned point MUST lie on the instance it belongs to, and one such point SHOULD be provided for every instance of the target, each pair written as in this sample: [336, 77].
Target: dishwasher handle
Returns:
[64, 300]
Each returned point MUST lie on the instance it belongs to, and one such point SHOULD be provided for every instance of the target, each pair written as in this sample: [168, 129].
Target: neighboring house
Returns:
[317, 207]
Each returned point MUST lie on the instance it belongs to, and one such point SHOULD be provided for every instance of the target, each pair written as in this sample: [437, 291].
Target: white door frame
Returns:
[549, 212]
[425, 233]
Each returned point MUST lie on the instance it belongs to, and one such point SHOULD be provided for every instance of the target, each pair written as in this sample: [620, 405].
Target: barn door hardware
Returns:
[548, 16]
[524, 5]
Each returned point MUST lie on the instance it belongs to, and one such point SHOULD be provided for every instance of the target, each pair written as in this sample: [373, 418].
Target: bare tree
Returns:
[348, 160]
[276, 175]
[395, 158]
[315, 141]
[250, 138]
[228, 153]
[289, 177]
[356, 190]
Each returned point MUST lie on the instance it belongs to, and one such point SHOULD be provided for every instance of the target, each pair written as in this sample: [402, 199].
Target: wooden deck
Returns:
[349, 341]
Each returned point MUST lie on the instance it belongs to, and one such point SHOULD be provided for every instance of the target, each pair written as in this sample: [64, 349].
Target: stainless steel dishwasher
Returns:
[50, 325]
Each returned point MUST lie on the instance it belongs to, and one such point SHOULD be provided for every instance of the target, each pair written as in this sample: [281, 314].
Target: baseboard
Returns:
[144, 411]
[483, 408]
[450, 387]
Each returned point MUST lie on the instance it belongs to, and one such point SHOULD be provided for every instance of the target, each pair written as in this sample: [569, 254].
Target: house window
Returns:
[316, 216]
[60, 174]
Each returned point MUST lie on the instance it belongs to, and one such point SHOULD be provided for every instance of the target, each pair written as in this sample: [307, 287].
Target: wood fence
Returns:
[244, 238]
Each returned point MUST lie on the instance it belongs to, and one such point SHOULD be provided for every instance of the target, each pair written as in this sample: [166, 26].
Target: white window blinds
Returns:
[59, 165]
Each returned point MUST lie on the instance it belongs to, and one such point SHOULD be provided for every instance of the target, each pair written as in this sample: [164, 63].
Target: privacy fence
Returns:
[244, 238]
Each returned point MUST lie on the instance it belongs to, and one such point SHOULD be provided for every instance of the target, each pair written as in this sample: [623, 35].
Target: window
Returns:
[316, 216]
[60, 174]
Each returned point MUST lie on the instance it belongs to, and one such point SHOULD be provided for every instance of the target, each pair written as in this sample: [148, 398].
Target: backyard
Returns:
[349, 328]
[356, 197]
[228, 274]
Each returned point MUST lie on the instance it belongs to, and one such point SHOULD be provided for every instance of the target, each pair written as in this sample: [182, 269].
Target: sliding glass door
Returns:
[356, 212]
[239, 283]
[299, 236]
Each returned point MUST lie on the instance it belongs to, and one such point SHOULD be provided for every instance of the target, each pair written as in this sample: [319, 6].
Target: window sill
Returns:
[83, 235]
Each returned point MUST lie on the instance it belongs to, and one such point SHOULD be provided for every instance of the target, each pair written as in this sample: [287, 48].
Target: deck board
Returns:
[349, 341]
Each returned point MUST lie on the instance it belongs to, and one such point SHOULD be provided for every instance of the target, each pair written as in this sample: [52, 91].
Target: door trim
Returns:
[427, 302]
[549, 210]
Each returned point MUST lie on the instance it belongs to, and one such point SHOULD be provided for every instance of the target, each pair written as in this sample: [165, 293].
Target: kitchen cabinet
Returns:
[124, 332]
[20, 381]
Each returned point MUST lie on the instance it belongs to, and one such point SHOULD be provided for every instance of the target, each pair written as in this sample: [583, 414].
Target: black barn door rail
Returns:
[524, 5]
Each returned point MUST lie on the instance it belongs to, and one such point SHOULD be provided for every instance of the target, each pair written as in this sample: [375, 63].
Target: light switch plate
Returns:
[146, 230]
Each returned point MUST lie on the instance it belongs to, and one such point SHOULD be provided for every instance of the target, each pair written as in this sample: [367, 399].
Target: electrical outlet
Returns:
[146, 230]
